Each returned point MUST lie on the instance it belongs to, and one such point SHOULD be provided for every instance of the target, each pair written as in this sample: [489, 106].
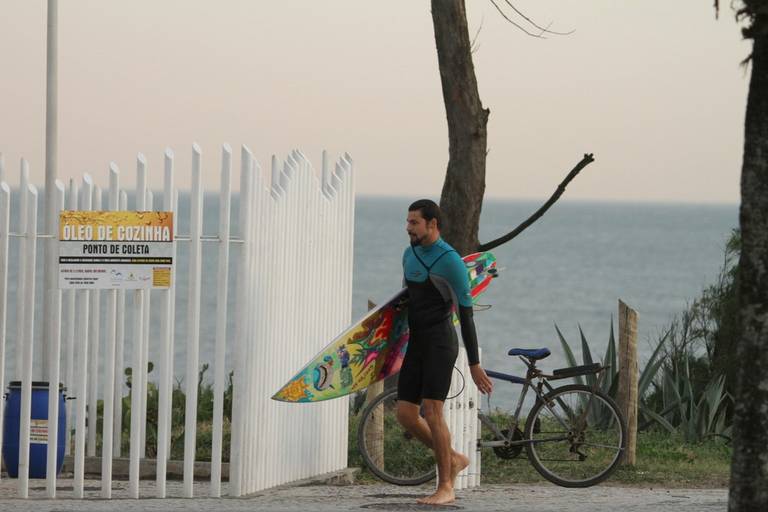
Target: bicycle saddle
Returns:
[530, 353]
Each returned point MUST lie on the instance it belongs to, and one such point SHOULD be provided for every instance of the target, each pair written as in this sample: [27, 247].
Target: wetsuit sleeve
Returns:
[455, 272]
[459, 280]
[469, 334]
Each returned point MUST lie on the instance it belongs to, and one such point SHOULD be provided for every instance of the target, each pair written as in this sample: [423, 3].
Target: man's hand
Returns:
[482, 381]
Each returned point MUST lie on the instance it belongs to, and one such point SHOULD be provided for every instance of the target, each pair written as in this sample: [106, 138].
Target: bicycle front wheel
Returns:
[580, 437]
[390, 451]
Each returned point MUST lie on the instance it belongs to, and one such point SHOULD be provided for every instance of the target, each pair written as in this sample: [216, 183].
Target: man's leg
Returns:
[408, 416]
[449, 462]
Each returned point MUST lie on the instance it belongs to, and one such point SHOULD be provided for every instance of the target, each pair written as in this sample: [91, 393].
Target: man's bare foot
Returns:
[444, 493]
[459, 461]
[442, 496]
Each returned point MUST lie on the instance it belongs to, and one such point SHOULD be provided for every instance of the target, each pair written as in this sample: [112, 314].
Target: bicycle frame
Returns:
[541, 388]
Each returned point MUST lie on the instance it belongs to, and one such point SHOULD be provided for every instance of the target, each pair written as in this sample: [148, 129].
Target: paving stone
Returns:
[327, 498]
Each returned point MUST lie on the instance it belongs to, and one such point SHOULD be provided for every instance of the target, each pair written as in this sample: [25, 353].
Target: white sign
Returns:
[115, 250]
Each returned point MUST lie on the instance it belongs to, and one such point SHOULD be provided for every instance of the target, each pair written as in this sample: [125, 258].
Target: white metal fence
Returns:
[301, 293]
[292, 269]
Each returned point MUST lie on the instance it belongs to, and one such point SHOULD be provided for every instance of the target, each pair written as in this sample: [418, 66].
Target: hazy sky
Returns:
[653, 88]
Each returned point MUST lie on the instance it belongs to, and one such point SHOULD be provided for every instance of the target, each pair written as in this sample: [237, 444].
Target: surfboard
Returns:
[372, 348]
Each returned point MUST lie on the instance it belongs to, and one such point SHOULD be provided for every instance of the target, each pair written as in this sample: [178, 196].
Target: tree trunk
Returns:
[749, 469]
[462, 196]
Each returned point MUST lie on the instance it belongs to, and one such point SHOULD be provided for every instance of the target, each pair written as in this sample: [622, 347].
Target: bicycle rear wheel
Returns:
[390, 451]
[581, 439]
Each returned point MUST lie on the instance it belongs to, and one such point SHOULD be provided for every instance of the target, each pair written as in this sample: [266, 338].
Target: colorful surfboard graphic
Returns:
[371, 349]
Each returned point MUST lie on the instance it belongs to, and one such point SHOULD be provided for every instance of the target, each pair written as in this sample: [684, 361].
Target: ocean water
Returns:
[569, 268]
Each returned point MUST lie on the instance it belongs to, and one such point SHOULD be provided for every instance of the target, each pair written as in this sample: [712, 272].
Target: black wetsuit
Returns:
[437, 279]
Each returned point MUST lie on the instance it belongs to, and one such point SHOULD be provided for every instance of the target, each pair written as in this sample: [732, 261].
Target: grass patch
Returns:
[663, 460]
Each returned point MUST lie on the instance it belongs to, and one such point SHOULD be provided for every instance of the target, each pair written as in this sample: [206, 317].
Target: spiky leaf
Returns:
[586, 355]
[658, 419]
[568, 353]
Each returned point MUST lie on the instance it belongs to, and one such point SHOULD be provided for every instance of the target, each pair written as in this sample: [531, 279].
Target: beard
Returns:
[416, 241]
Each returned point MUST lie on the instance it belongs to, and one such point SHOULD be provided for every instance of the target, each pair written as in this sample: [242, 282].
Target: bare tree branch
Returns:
[588, 159]
[515, 24]
[529, 20]
[472, 47]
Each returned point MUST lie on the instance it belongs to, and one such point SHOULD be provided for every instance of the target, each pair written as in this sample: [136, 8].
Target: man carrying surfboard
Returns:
[437, 282]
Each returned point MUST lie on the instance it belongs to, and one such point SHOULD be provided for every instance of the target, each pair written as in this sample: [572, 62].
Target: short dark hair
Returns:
[428, 209]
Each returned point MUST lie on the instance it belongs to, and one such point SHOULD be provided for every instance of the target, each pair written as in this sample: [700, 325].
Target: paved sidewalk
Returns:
[529, 498]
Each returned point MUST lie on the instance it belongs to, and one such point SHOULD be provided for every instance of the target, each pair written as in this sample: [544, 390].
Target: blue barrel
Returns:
[38, 451]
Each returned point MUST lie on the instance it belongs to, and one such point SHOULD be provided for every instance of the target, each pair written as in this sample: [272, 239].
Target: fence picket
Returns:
[30, 240]
[239, 354]
[69, 343]
[193, 322]
[165, 384]
[221, 320]
[117, 439]
[139, 366]
[21, 287]
[5, 218]
[94, 338]
[81, 339]
[148, 206]
[109, 357]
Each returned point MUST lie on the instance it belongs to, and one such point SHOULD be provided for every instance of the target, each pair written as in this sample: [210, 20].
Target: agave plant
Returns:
[608, 380]
[695, 416]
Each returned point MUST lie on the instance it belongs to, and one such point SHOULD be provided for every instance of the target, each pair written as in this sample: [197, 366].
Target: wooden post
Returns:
[628, 375]
[376, 433]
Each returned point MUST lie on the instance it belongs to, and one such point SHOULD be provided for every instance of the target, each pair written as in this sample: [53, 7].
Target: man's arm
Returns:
[459, 280]
[469, 334]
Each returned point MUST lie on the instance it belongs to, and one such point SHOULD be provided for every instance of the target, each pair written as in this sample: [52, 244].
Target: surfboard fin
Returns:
[494, 272]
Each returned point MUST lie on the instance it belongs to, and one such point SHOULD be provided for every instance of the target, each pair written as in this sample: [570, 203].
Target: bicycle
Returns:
[574, 435]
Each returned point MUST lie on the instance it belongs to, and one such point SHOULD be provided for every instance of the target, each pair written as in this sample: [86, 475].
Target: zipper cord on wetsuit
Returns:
[429, 267]
[463, 384]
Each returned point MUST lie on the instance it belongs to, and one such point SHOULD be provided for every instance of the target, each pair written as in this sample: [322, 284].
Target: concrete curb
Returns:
[339, 478]
[147, 469]
[175, 471]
